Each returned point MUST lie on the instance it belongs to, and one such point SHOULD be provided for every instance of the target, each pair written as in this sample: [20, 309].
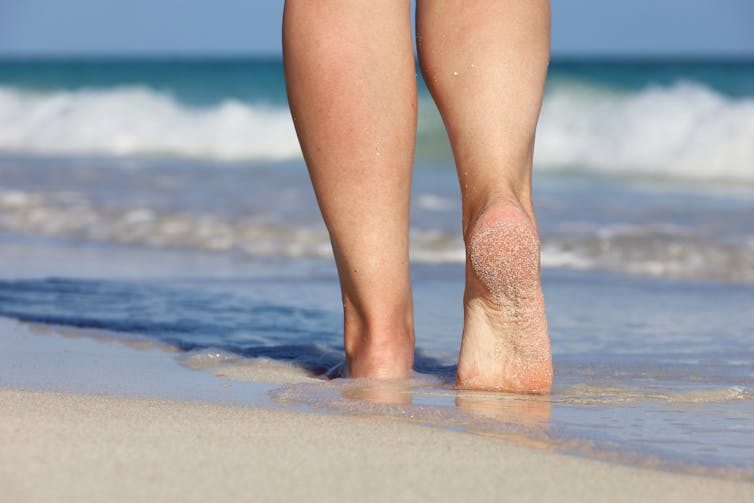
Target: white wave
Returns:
[656, 249]
[685, 130]
[680, 131]
[138, 120]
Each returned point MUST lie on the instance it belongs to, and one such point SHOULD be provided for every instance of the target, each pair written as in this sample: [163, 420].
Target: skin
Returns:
[351, 85]
[352, 89]
[485, 63]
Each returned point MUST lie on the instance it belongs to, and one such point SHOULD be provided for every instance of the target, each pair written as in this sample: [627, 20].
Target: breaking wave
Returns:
[684, 130]
[141, 121]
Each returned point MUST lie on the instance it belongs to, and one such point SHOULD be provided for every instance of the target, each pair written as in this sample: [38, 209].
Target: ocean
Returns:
[168, 199]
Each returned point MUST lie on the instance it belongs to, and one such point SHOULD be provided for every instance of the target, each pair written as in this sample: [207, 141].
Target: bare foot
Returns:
[505, 344]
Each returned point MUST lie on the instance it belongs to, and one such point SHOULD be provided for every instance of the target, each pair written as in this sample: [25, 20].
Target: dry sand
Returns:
[72, 447]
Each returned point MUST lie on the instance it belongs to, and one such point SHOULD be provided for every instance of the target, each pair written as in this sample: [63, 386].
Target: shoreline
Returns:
[75, 403]
[60, 446]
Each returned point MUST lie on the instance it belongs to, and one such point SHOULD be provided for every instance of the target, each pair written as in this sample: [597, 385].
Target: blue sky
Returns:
[580, 27]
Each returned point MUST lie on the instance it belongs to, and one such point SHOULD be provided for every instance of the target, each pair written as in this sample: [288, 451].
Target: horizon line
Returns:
[628, 57]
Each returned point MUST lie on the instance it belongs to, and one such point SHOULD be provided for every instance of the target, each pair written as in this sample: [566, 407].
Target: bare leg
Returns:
[351, 83]
[485, 63]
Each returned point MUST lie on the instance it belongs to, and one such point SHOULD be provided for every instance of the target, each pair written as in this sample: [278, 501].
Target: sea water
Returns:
[187, 175]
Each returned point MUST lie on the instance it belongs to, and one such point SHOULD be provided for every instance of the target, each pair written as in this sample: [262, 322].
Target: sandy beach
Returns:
[175, 193]
[169, 305]
[69, 447]
[87, 418]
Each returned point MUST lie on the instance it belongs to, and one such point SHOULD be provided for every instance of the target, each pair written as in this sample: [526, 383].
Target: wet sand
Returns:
[59, 446]
[86, 417]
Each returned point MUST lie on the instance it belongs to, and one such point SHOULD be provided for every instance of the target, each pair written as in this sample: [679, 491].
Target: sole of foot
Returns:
[505, 345]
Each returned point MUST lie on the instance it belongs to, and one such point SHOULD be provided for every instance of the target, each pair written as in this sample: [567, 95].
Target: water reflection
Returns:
[396, 392]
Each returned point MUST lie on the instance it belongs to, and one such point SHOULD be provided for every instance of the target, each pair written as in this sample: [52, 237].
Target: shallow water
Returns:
[649, 371]
[649, 289]
[166, 203]
[268, 211]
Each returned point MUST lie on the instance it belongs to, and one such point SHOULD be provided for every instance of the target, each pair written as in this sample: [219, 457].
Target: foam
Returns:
[680, 131]
[654, 249]
[614, 396]
[684, 130]
[238, 368]
[138, 120]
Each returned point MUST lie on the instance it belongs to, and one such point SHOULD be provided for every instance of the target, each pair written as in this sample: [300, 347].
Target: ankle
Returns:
[380, 357]
[379, 348]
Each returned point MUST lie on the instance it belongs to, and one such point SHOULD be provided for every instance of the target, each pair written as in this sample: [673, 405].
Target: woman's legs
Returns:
[485, 63]
[351, 83]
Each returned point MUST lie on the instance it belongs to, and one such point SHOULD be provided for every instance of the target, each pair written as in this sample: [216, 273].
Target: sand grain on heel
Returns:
[505, 258]
[505, 345]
